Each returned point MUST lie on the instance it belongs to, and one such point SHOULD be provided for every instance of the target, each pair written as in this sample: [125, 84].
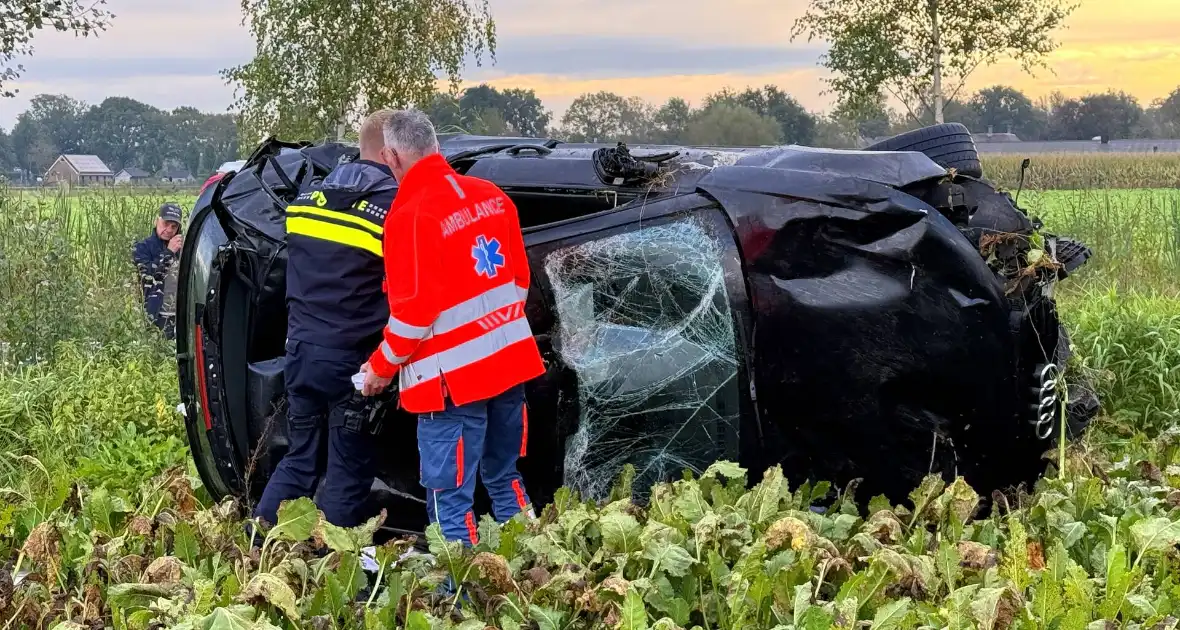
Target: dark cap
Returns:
[170, 212]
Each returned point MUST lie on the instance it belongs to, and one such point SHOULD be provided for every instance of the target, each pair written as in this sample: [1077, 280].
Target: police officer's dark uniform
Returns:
[336, 311]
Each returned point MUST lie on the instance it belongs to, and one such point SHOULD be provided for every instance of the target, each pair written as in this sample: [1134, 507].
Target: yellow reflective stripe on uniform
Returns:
[338, 216]
[341, 234]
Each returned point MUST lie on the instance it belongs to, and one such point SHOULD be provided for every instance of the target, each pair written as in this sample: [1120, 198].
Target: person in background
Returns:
[457, 335]
[336, 310]
[154, 257]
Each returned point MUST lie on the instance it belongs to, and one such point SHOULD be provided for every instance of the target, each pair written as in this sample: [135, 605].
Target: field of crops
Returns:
[103, 521]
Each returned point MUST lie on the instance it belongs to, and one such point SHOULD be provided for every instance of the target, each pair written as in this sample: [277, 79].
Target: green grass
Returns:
[66, 271]
[1135, 234]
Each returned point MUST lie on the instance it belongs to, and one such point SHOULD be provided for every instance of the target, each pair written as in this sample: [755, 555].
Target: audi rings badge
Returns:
[1046, 392]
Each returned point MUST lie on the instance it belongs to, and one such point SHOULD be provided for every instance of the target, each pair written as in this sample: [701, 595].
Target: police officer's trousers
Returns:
[329, 429]
[488, 436]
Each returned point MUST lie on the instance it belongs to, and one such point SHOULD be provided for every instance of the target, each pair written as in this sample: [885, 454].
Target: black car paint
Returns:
[789, 218]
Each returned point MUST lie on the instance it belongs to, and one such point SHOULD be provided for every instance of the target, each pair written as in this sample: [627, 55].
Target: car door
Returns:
[642, 316]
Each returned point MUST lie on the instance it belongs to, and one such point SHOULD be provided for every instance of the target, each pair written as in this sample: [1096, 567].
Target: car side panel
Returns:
[882, 339]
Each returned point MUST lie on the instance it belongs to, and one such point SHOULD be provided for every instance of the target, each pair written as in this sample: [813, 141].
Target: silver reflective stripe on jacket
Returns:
[465, 353]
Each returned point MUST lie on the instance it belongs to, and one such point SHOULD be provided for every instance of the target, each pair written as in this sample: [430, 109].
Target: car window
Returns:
[644, 320]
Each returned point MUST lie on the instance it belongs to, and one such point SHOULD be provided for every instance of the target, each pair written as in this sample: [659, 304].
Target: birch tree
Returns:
[922, 52]
[320, 66]
[21, 19]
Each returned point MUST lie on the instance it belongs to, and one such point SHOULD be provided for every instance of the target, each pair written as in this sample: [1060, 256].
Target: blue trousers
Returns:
[330, 437]
[488, 436]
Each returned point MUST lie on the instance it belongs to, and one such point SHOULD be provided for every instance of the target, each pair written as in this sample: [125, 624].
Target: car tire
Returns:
[949, 145]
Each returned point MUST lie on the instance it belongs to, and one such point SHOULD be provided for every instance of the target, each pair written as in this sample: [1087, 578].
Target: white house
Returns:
[132, 175]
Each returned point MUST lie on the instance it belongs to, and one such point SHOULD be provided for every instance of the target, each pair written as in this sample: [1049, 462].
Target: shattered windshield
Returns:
[645, 323]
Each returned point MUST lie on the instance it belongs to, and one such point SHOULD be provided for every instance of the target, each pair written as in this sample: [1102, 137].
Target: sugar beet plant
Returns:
[1092, 547]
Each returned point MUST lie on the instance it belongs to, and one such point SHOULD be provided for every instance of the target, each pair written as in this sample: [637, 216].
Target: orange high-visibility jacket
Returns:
[457, 278]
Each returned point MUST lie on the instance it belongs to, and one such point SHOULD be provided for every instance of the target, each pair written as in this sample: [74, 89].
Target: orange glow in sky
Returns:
[1130, 45]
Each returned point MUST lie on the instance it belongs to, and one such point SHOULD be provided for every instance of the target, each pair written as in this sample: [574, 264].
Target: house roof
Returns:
[85, 164]
[134, 172]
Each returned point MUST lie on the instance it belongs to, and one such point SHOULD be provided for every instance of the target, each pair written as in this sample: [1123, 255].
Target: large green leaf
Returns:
[669, 557]
[620, 532]
[547, 618]
[131, 596]
[350, 540]
[725, 469]
[233, 618]
[986, 606]
[891, 615]
[418, 621]
[1118, 583]
[185, 544]
[1155, 534]
[297, 520]
[633, 614]
[271, 589]
[925, 496]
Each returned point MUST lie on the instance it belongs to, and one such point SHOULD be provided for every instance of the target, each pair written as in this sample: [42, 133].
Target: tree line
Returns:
[123, 132]
[126, 133]
[769, 115]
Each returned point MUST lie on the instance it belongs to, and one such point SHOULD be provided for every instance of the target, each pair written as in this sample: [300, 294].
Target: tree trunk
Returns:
[936, 61]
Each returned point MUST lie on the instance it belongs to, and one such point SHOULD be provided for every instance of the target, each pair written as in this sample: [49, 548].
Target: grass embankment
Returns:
[86, 424]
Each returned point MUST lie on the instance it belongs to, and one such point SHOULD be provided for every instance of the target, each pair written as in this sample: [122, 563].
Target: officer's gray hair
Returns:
[409, 131]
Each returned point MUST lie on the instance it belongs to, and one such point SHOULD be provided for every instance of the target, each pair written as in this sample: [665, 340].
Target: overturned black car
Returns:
[878, 314]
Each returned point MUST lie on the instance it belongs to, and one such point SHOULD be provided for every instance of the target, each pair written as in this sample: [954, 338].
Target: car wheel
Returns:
[949, 145]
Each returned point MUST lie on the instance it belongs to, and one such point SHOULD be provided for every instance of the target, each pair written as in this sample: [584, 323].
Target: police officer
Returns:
[457, 334]
[336, 310]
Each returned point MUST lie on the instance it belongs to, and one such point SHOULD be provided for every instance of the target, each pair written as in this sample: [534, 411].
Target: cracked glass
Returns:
[645, 324]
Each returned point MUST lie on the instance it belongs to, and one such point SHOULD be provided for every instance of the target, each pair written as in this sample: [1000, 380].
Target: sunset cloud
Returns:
[168, 52]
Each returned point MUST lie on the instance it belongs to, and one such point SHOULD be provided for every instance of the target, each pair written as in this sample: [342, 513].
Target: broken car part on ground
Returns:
[846, 314]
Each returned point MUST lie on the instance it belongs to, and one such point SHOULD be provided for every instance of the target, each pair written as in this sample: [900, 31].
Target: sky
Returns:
[168, 52]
